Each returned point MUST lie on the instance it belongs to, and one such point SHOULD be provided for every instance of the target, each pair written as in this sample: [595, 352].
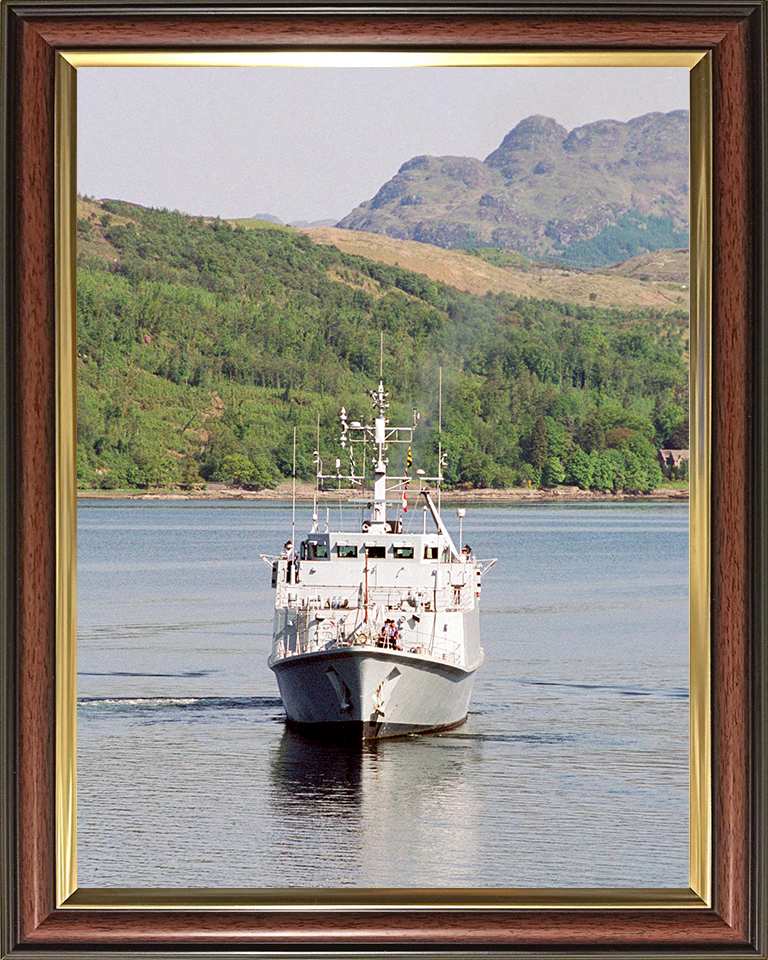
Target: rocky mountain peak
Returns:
[533, 133]
[532, 142]
[544, 190]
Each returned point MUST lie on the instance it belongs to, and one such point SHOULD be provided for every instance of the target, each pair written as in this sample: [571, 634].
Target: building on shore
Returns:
[674, 463]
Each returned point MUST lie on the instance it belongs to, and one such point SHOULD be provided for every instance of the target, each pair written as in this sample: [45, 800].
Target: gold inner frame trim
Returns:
[699, 894]
[391, 59]
[65, 121]
[700, 480]
[377, 900]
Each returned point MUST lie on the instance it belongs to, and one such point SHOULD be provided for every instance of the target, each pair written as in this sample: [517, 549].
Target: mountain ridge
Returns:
[545, 190]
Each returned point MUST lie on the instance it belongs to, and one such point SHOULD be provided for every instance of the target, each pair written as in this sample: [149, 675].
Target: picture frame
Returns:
[42, 913]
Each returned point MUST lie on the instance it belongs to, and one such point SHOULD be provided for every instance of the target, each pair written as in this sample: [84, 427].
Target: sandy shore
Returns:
[305, 492]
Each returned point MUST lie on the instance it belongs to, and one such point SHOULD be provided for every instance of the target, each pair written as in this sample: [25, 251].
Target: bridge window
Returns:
[376, 553]
[343, 550]
[430, 553]
[317, 551]
[403, 553]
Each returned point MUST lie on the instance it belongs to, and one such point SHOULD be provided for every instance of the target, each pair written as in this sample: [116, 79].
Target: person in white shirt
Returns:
[290, 555]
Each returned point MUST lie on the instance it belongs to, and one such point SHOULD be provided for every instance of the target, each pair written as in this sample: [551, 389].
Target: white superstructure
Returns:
[376, 631]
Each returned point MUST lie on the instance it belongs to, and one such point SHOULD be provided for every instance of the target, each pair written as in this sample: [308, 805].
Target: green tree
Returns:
[603, 470]
[678, 438]
[558, 441]
[238, 470]
[110, 481]
[539, 444]
[579, 469]
[151, 468]
[86, 475]
[189, 475]
[654, 476]
[265, 476]
[635, 476]
[553, 472]
[527, 476]
[614, 468]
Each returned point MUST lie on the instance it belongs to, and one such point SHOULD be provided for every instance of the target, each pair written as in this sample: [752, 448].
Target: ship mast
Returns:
[379, 435]
[381, 405]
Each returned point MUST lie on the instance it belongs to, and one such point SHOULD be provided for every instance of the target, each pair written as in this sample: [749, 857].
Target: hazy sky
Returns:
[313, 143]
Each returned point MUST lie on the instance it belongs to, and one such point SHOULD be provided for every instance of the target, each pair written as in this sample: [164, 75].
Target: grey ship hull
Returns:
[368, 694]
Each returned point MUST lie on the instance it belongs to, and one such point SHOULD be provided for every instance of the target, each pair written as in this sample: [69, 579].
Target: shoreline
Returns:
[306, 492]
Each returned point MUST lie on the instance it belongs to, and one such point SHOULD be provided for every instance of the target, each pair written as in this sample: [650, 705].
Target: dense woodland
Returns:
[201, 345]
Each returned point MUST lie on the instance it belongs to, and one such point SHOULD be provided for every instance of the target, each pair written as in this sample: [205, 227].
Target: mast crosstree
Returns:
[379, 435]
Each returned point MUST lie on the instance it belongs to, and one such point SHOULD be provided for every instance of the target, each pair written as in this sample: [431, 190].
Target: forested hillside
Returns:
[201, 346]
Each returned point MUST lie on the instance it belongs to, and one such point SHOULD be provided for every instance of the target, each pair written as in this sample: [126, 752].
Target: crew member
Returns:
[290, 555]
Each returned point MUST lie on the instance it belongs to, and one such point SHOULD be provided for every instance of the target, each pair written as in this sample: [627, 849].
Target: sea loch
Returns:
[572, 769]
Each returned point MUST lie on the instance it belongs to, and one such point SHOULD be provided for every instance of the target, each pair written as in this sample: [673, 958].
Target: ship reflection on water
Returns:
[306, 770]
[389, 811]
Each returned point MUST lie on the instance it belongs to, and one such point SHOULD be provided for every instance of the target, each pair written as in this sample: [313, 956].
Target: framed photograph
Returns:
[46, 909]
[172, 642]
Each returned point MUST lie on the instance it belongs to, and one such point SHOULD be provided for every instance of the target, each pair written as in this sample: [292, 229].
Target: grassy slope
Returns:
[670, 267]
[475, 275]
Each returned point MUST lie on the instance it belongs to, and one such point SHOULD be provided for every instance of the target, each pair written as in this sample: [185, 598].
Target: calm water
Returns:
[572, 769]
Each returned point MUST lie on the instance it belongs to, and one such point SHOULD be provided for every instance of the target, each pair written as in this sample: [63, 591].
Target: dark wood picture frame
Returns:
[735, 33]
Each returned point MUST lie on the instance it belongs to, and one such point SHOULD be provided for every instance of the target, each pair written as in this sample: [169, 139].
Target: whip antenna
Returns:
[293, 508]
[439, 438]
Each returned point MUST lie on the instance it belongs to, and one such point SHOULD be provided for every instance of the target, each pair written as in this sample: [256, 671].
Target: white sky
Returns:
[313, 143]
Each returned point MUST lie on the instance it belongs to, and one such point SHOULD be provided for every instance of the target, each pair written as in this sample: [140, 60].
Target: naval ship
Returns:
[376, 628]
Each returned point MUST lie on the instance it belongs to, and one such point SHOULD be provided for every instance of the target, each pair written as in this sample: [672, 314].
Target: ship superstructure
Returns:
[376, 631]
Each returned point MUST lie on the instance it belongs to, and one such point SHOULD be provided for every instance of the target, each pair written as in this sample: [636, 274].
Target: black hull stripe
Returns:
[361, 730]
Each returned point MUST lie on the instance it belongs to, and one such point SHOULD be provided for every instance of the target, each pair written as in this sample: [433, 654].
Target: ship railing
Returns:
[447, 650]
[292, 597]
[457, 598]
[310, 637]
[452, 598]
[393, 598]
